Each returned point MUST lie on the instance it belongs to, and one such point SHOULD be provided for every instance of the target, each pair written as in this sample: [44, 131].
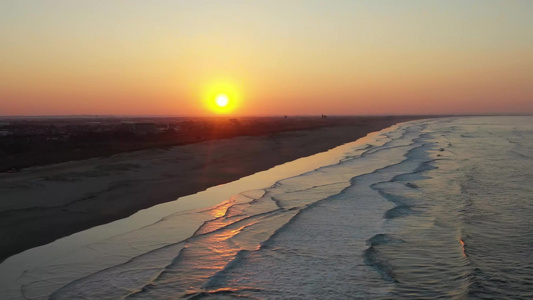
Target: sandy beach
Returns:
[42, 204]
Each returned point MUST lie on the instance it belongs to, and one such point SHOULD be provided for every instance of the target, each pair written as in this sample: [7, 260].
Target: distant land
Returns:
[27, 141]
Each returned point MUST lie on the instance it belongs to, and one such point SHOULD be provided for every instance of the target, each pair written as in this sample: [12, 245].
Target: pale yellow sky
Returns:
[270, 57]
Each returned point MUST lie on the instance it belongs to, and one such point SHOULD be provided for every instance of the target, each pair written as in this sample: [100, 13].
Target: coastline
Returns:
[42, 204]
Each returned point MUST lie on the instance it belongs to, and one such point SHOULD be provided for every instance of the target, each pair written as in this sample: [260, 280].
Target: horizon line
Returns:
[266, 115]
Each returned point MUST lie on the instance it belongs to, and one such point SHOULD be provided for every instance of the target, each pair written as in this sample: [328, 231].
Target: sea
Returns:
[437, 208]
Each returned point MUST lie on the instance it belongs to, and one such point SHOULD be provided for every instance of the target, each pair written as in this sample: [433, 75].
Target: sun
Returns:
[222, 100]
[222, 97]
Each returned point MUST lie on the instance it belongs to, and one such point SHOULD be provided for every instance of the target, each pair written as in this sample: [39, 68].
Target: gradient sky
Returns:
[274, 57]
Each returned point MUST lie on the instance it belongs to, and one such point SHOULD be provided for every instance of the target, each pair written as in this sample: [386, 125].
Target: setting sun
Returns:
[223, 96]
[222, 100]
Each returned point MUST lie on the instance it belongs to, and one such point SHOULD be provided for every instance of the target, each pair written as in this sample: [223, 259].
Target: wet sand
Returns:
[41, 204]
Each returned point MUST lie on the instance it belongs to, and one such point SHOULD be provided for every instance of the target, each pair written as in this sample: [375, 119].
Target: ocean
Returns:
[435, 208]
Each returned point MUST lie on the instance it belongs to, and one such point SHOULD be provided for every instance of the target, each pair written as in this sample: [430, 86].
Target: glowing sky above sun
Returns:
[268, 57]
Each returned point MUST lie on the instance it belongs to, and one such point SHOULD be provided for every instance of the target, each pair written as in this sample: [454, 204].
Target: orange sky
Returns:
[270, 57]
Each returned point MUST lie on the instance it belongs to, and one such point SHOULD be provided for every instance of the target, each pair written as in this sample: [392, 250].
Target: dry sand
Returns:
[41, 204]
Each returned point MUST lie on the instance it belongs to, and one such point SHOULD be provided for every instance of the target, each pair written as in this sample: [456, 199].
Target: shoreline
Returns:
[45, 203]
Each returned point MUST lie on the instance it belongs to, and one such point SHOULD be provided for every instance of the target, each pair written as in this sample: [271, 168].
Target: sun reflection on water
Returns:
[463, 247]
[220, 211]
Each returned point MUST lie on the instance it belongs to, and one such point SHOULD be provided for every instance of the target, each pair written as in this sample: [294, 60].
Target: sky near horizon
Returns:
[269, 57]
